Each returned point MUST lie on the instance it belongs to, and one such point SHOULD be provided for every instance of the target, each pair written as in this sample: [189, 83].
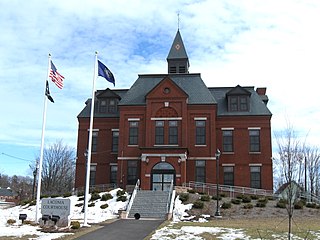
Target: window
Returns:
[172, 69]
[159, 132]
[227, 140]
[113, 173]
[200, 132]
[92, 180]
[254, 140]
[182, 69]
[132, 172]
[201, 171]
[238, 103]
[243, 103]
[255, 177]
[115, 141]
[94, 145]
[133, 132]
[173, 132]
[112, 106]
[228, 175]
[103, 106]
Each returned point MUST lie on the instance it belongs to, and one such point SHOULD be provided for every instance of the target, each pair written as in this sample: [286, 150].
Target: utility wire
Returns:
[18, 158]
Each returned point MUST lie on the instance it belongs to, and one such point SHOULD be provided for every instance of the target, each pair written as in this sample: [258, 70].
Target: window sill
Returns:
[254, 153]
[166, 145]
[200, 145]
[228, 153]
[133, 145]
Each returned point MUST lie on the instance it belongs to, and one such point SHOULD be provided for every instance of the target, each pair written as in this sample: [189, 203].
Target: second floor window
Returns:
[133, 132]
[173, 132]
[159, 132]
[227, 140]
[200, 132]
[94, 146]
[254, 136]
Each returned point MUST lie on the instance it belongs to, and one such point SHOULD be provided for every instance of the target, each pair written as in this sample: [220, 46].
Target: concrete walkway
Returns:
[124, 229]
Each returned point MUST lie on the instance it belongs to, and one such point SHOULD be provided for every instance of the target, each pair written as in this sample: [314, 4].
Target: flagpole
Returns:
[42, 143]
[86, 196]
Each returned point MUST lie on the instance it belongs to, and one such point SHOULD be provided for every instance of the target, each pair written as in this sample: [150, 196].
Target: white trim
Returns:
[228, 165]
[160, 145]
[94, 130]
[133, 119]
[128, 158]
[200, 145]
[93, 164]
[113, 164]
[178, 175]
[227, 128]
[147, 175]
[200, 118]
[254, 128]
[202, 158]
[255, 164]
[115, 129]
[166, 104]
[165, 118]
[133, 145]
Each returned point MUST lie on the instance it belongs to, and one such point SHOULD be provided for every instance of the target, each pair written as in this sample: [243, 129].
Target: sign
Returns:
[55, 206]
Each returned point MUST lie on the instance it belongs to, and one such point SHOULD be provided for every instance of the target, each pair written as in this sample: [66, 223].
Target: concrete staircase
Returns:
[150, 204]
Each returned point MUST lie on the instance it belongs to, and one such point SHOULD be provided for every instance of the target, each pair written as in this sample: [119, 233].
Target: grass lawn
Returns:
[260, 228]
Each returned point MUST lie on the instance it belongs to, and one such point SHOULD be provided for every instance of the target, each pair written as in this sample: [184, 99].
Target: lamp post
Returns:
[217, 154]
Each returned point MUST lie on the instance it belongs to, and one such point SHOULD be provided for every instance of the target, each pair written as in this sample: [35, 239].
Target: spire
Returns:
[178, 61]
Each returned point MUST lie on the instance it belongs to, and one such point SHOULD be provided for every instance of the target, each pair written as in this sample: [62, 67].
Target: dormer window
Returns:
[238, 99]
[108, 105]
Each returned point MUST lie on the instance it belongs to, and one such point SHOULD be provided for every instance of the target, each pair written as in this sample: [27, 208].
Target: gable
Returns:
[238, 90]
[107, 93]
[166, 88]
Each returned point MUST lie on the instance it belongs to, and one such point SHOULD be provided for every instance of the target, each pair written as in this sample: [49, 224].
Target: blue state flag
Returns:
[104, 72]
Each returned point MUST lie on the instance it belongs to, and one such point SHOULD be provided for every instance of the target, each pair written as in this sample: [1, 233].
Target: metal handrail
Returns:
[133, 195]
[169, 195]
[209, 187]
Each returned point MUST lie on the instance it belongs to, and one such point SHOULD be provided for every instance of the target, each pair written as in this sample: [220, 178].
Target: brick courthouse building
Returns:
[168, 127]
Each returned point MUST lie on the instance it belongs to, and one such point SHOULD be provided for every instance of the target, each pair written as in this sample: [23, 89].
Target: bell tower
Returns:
[178, 61]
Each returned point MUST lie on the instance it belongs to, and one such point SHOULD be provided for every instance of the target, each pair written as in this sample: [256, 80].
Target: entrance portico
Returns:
[158, 170]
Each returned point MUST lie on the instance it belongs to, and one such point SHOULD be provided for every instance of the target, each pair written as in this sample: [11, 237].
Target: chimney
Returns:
[262, 93]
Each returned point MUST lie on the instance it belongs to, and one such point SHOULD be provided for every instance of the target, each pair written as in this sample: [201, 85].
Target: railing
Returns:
[169, 196]
[133, 195]
[310, 197]
[211, 189]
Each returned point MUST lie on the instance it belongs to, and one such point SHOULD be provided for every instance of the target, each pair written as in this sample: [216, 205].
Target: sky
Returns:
[272, 44]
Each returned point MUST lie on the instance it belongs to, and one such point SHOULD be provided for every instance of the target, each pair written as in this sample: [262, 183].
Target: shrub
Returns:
[201, 193]
[55, 195]
[240, 196]
[215, 197]
[11, 221]
[27, 222]
[121, 192]
[122, 198]
[33, 203]
[254, 197]
[80, 198]
[106, 197]
[91, 205]
[184, 197]
[235, 201]
[95, 196]
[311, 205]
[246, 199]
[75, 225]
[281, 204]
[80, 193]
[79, 204]
[263, 200]
[226, 205]
[67, 194]
[222, 195]
[198, 204]
[103, 206]
[248, 206]
[191, 191]
[261, 204]
[205, 198]
[298, 205]
[282, 200]
[25, 202]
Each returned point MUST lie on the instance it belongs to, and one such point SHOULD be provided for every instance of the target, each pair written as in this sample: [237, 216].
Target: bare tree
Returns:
[58, 169]
[290, 158]
[312, 160]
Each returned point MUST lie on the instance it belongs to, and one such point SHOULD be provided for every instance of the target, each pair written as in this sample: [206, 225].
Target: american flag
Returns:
[56, 77]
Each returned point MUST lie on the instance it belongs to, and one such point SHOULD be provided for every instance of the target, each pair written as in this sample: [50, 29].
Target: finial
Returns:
[178, 20]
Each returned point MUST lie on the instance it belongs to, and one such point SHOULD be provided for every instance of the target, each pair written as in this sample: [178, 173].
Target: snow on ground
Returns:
[94, 215]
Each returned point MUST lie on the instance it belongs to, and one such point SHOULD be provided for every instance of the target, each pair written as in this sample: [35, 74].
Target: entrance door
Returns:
[162, 174]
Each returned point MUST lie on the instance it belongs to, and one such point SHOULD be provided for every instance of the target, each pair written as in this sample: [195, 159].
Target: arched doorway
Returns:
[161, 176]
